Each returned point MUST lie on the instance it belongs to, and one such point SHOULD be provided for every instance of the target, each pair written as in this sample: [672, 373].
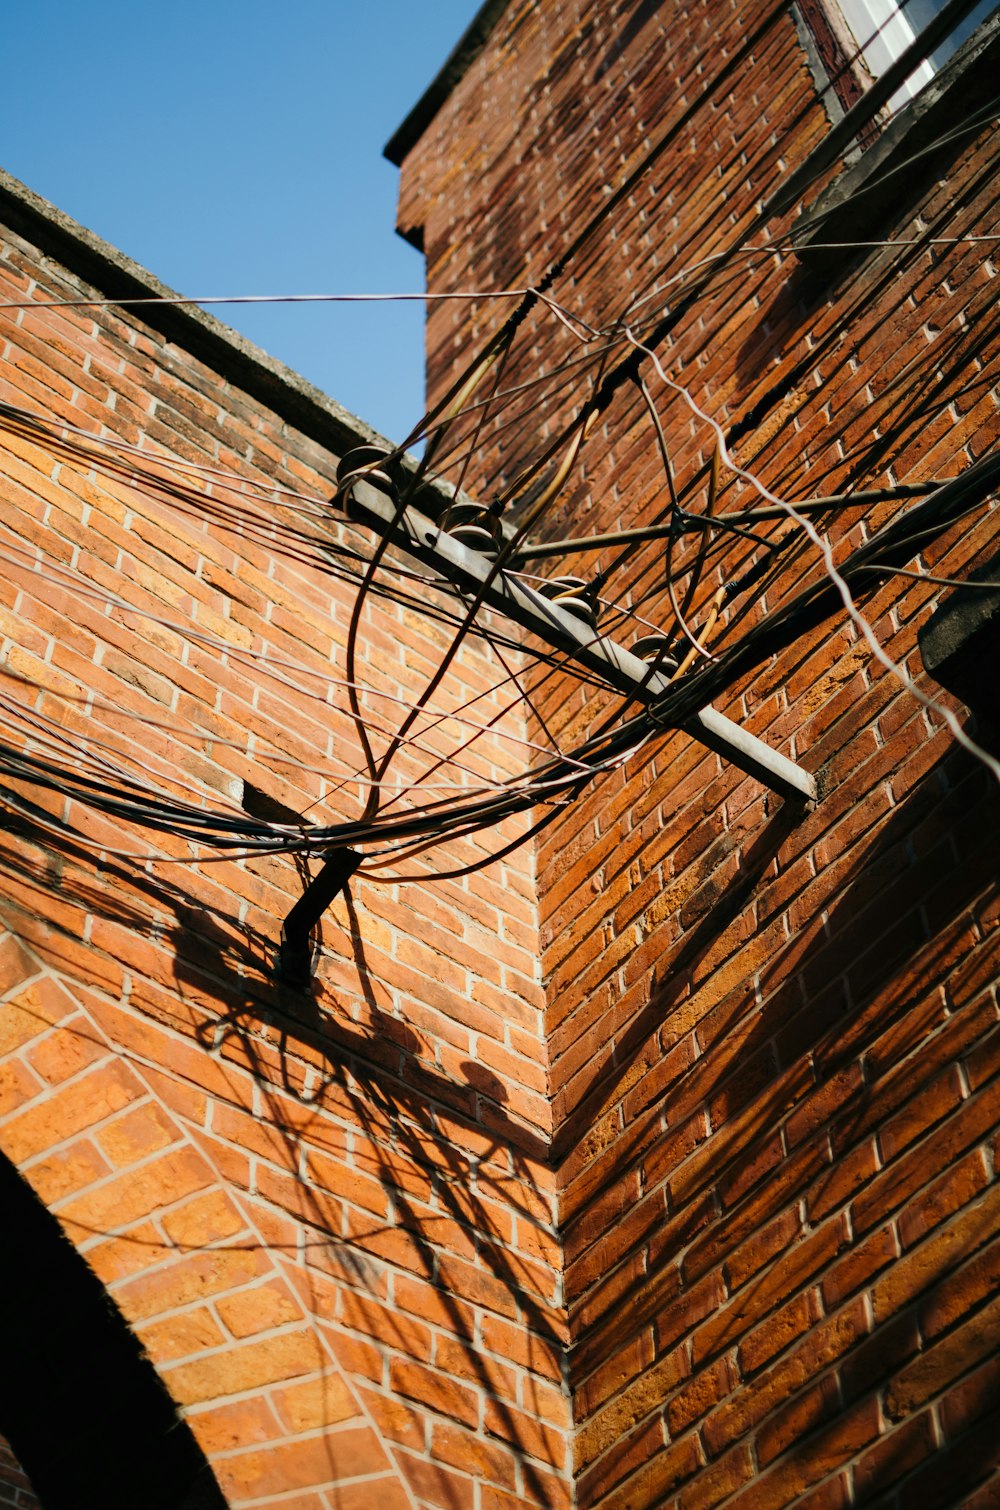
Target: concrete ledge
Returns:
[112, 275]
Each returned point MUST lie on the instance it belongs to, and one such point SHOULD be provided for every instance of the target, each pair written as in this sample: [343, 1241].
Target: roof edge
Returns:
[289, 395]
[465, 52]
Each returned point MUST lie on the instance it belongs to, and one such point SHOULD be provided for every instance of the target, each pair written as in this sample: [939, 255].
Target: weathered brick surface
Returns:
[653, 1165]
[326, 1220]
[773, 1035]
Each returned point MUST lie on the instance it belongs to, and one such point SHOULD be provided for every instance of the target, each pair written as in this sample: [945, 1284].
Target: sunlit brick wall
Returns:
[327, 1216]
[773, 1034]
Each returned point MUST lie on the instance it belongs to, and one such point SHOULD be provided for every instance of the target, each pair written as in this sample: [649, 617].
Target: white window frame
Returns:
[882, 32]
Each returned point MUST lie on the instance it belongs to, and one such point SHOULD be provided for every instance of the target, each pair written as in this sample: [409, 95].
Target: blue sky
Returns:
[235, 147]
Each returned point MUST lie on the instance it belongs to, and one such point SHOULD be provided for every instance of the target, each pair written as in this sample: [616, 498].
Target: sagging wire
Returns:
[989, 470]
[313, 549]
[577, 437]
[141, 300]
[69, 576]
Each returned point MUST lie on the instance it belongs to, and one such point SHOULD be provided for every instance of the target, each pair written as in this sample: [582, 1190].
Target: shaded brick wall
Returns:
[15, 1490]
[773, 1034]
[328, 1219]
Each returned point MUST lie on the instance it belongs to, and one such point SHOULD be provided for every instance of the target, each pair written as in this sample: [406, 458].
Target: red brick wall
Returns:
[773, 1034]
[15, 1490]
[329, 1220]
[757, 1084]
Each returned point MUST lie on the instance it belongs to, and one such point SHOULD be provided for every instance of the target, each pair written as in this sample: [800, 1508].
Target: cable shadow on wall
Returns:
[455, 1167]
[768, 1147]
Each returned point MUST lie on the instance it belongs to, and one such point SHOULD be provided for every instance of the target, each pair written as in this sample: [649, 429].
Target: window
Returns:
[882, 30]
[932, 104]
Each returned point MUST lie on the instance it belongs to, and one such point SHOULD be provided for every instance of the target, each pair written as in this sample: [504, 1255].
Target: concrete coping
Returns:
[465, 52]
[110, 274]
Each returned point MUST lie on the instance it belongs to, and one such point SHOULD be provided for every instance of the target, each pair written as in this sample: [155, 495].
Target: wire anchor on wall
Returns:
[294, 964]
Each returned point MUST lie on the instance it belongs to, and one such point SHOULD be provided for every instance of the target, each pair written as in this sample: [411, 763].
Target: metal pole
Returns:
[691, 523]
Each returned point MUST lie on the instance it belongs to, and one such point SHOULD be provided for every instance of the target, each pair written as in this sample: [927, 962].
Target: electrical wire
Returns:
[308, 533]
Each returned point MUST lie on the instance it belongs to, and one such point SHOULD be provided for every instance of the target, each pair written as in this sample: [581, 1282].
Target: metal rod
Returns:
[691, 522]
[421, 538]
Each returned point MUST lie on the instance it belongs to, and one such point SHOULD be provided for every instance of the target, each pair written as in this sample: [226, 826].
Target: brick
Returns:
[943, 1363]
[181, 1336]
[961, 1131]
[894, 1456]
[359, 1313]
[67, 1171]
[18, 1026]
[139, 1132]
[71, 1110]
[539, 1354]
[445, 1308]
[794, 1267]
[933, 1259]
[59, 1056]
[821, 1453]
[983, 1497]
[387, 1492]
[463, 1362]
[809, 1409]
[921, 1112]
[315, 1403]
[535, 1438]
[399, 1422]
[436, 1485]
[187, 1280]
[595, 1387]
[974, 1397]
[132, 1252]
[632, 1406]
[866, 1258]
[136, 1193]
[486, 1462]
[875, 1359]
[17, 1086]
[779, 1331]
[347, 1452]
[16, 965]
[715, 1482]
[203, 1221]
[963, 1182]
[245, 1367]
[694, 1399]
[434, 1390]
[261, 1309]
[828, 1341]
[957, 1293]
[663, 1472]
[223, 1428]
[955, 1470]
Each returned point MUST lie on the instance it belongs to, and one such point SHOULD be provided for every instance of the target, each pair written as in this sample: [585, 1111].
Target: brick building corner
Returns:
[652, 1164]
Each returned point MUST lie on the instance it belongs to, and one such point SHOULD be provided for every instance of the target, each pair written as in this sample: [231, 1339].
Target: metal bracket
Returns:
[294, 965]
[421, 538]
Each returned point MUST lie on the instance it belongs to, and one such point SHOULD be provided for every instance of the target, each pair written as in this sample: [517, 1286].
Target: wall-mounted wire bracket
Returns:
[294, 963]
[429, 544]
